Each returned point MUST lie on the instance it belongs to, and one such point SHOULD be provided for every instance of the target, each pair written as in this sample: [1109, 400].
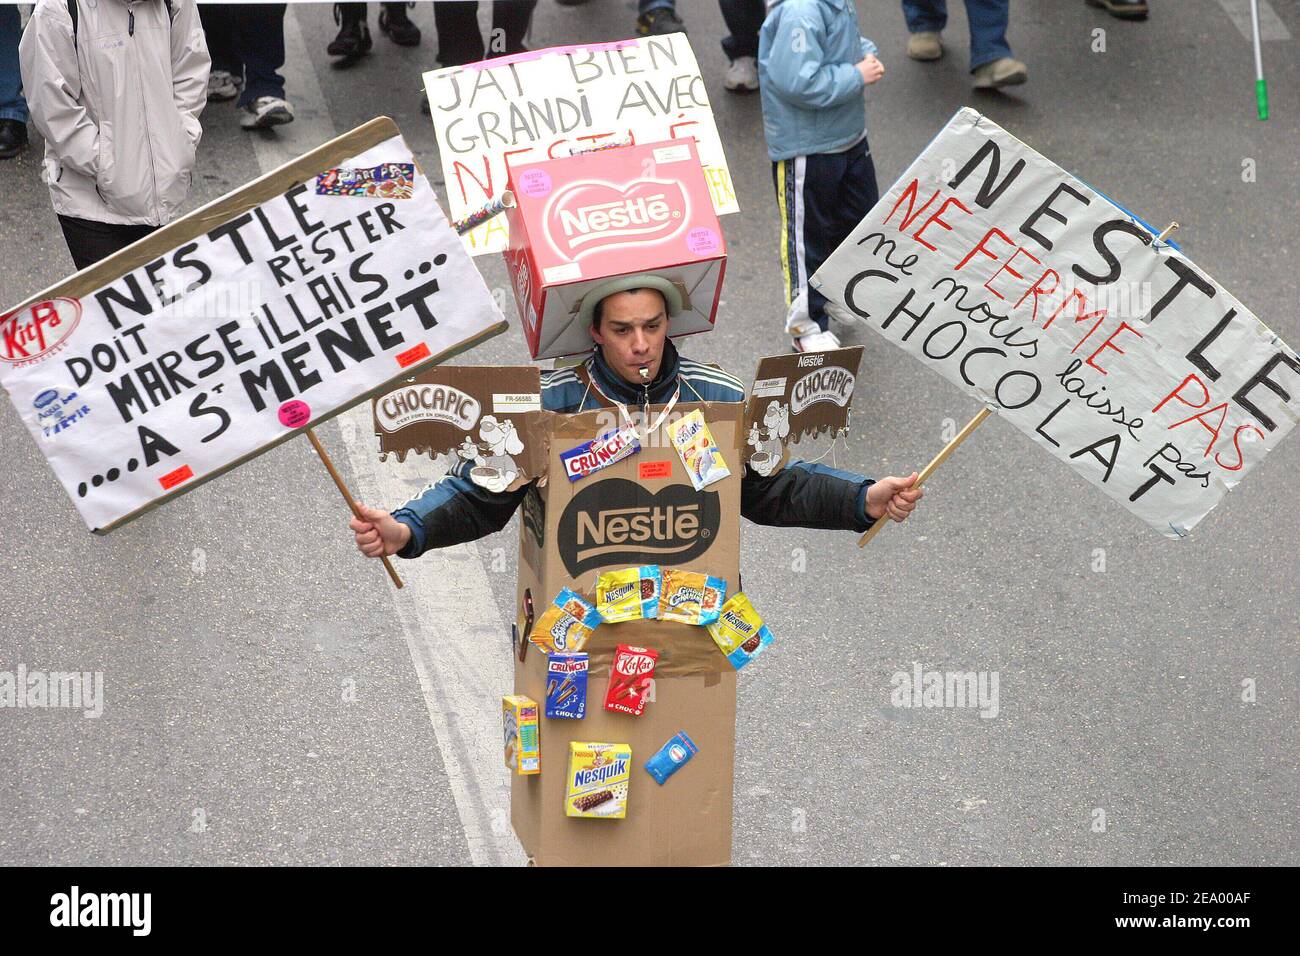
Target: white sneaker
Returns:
[742, 75]
[266, 111]
[223, 85]
[817, 342]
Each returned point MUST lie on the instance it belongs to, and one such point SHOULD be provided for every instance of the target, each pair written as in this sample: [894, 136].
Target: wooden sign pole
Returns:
[347, 496]
[960, 437]
[929, 469]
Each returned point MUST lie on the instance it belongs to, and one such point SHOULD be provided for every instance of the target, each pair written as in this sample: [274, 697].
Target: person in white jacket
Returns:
[117, 98]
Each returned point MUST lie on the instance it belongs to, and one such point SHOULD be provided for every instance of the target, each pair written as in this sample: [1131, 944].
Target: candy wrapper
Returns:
[629, 679]
[629, 595]
[671, 756]
[600, 452]
[566, 624]
[566, 686]
[699, 452]
[599, 775]
[691, 598]
[522, 746]
[739, 632]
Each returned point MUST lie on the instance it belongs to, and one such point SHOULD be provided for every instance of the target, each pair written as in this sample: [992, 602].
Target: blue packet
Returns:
[671, 756]
[566, 685]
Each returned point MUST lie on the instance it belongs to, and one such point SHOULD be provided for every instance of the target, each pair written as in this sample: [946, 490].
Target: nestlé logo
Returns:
[587, 216]
[618, 522]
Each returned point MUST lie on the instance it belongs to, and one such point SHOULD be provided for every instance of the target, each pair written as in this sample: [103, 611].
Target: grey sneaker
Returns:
[1003, 72]
[924, 46]
[223, 85]
[265, 112]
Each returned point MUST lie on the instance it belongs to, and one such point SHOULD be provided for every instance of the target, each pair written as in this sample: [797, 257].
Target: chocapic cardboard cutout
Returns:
[489, 415]
[795, 397]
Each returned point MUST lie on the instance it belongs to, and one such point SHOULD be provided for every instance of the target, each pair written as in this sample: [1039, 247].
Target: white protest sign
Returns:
[545, 104]
[216, 338]
[1042, 298]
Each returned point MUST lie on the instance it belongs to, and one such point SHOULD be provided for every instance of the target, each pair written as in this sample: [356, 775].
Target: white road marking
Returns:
[1271, 26]
[457, 639]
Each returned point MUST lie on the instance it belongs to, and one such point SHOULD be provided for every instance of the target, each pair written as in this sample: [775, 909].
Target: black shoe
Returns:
[1123, 9]
[659, 22]
[397, 26]
[354, 36]
[13, 138]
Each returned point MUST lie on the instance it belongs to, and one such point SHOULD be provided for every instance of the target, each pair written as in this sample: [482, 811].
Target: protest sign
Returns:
[225, 333]
[1043, 299]
[545, 104]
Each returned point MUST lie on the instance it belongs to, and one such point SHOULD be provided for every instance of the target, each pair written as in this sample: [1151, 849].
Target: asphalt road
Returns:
[269, 699]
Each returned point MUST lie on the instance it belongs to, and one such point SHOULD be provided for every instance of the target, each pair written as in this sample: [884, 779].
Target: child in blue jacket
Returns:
[813, 68]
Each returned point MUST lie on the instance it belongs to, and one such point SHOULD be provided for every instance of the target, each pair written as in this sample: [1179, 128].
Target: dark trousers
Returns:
[90, 241]
[247, 39]
[744, 18]
[459, 39]
[820, 198]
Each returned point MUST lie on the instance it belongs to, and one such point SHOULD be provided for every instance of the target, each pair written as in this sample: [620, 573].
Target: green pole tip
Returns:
[1261, 97]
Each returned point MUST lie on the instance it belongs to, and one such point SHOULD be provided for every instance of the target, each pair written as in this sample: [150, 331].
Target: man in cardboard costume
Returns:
[635, 365]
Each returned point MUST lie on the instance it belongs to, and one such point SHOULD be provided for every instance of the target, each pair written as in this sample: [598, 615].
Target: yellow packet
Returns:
[699, 452]
[629, 595]
[739, 632]
[566, 624]
[691, 598]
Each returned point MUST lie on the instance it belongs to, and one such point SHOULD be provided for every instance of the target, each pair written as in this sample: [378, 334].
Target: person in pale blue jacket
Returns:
[814, 67]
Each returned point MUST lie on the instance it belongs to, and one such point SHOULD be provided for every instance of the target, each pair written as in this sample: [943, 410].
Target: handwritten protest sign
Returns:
[1042, 298]
[546, 103]
[216, 338]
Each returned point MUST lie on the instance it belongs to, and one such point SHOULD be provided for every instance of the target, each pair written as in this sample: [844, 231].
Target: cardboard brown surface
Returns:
[687, 821]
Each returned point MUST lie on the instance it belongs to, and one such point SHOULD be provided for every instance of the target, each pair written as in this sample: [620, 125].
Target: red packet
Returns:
[629, 679]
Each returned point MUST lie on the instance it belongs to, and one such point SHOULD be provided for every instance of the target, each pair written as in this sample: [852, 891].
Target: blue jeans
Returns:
[247, 40]
[988, 25]
[12, 104]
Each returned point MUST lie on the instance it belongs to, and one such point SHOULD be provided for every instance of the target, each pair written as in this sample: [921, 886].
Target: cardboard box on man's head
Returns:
[595, 216]
[642, 510]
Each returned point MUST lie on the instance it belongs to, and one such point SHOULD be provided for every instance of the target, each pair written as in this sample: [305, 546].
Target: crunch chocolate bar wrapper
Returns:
[699, 452]
[599, 775]
[739, 632]
[629, 595]
[691, 598]
[566, 686]
[629, 679]
[566, 623]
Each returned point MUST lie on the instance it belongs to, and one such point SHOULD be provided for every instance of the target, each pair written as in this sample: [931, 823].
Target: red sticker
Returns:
[656, 469]
[174, 478]
[411, 356]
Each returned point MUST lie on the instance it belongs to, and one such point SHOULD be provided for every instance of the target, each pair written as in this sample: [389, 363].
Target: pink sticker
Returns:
[702, 241]
[534, 183]
[295, 414]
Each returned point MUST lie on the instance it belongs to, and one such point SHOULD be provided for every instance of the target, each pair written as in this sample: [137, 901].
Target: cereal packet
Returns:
[691, 598]
[739, 632]
[599, 775]
[699, 452]
[566, 624]
[630, 677]
[629, 595]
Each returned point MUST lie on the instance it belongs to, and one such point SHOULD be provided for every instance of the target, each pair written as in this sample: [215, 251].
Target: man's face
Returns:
[633, 328]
